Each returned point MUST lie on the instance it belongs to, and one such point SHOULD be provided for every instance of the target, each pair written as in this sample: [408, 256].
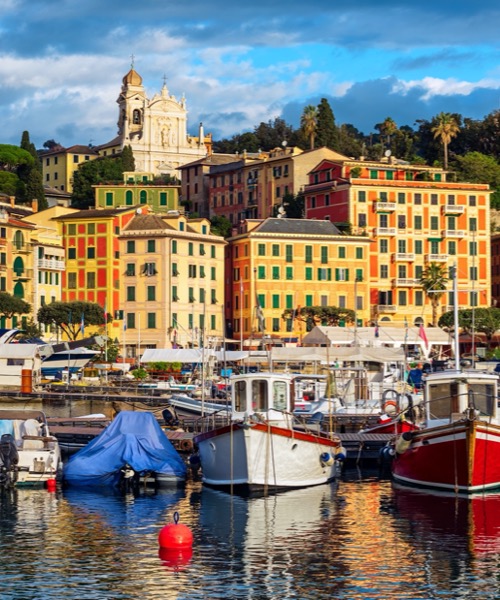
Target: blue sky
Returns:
[62, 62]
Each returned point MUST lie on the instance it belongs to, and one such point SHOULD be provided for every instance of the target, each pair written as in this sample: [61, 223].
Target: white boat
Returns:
[197, 406]
[260, 449]
[72, 361]
[29, 455]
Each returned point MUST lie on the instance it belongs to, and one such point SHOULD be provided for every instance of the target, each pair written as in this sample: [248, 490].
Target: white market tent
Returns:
[193, 356]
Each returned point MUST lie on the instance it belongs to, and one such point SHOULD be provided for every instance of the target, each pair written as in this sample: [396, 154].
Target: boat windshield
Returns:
[482, 398]
[240, 396]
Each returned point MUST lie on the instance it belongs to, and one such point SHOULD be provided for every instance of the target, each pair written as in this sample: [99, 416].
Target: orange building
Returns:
[416, 217]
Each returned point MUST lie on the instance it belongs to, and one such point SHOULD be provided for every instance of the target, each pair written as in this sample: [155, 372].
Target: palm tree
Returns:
[309, 123]
[387, 128]
[434, 282]
[445, 128]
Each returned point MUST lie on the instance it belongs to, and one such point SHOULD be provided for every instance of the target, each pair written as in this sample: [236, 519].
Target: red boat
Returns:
[457, 444]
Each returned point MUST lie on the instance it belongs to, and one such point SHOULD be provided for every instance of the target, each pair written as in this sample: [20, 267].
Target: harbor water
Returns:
[359, 538]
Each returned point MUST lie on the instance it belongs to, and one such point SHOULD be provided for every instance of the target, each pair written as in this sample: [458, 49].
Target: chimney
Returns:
[34, 205]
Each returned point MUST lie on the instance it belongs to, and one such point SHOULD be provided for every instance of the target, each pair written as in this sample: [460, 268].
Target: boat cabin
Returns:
[450, 394]
[266, 394]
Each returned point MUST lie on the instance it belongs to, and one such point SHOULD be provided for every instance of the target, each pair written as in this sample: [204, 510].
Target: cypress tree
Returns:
[128, 160]
[326, 133]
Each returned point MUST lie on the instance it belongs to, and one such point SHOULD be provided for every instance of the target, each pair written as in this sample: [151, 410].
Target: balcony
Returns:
[453, 209]
[23, 275]
[405, 282]
[51, 264]
[437, 258]
[385, 231]
[384, 206]
[386, 308]
[21, 248]
[404, 256]
[453, 233]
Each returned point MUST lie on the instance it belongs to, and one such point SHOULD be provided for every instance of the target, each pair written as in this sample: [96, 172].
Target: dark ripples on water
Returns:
[362, 539]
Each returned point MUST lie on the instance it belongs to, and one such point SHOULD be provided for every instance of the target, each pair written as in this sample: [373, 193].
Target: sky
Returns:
[238, 64]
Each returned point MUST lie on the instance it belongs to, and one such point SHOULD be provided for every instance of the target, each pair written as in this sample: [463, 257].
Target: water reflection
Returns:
[361, 539]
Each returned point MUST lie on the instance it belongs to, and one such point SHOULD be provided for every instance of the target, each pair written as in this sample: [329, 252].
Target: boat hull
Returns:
[259, 455]
[463, 456]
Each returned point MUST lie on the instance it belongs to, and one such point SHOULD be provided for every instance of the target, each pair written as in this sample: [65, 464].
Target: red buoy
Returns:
[175, 535]
[51, 485]
[175, 558]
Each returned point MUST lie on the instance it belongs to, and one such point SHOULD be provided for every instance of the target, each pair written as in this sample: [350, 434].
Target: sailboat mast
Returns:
[455, 316]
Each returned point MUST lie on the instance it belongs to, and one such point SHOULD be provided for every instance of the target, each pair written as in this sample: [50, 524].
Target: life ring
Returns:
[185, 445]
[390, 402]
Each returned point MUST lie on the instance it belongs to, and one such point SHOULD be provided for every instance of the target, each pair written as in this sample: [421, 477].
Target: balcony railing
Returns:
[404, 256]
[453, 209]
[385, 206]
[385, 231]
[21, 248]
[437, 258]
[53, 264]
[404, 282]
[453, 233]
[387, 308]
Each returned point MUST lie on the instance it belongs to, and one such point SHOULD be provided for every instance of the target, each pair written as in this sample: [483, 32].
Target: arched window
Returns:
[136, 117]
[18, 266]
[18, 240]
[19, 290]
[129, 197]
[143, 197]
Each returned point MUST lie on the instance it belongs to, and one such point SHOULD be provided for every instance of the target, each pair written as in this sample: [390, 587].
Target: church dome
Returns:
[132, 78]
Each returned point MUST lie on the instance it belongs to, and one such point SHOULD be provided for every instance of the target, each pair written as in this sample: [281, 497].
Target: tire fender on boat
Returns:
[185, 445]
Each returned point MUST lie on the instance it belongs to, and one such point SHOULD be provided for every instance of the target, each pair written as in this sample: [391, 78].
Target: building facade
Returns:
[172, 291]
[415, 217]
[277, 264]
[59, 165]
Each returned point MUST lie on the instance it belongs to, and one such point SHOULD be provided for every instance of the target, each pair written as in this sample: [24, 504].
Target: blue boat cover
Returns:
[133, 438]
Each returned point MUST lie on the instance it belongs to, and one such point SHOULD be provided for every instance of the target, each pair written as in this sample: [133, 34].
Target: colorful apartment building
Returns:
[93, 265]
[255, 187]
[138, 189]
[172, 283]
[279, 263]
[59, 165]
[195, 181]
[415, 217]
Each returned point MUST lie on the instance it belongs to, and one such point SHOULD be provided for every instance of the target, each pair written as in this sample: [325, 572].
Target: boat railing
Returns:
[207, 422]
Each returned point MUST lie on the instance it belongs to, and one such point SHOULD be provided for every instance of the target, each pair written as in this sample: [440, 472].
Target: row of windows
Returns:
[130, 199]
[131, 321]
[324, 300]
[308, 252]
[151, 247]
[418, 224]
[433, 246]
[403, 272]
[403, 197]
[385, 298]
[76, 159]
[322, 273]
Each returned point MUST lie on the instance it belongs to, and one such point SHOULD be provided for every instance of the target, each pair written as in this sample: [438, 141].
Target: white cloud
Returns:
[433, 86]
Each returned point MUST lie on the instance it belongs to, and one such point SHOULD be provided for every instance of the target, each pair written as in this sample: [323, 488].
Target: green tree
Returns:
[68, 316]
[445, 128]
[294, 206]
[8, 183]
[128, 161]
[12, 305]
[329, 316]
[272, 134]
[434, 282]
[11, 157]
[220, 225]
[326, 133]
[93, 172]
[481, 320]
[309, 123]
[387, 129]
[475, 167]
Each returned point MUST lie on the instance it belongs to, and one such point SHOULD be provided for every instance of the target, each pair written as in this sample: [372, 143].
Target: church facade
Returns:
[156, 129]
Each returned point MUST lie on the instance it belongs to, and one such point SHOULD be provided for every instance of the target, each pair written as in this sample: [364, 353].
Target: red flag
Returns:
[422, 335]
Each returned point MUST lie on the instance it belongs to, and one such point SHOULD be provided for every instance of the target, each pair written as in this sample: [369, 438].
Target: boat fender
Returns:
[340, 453]
[386, 454]
[326, 459]
[403, 442]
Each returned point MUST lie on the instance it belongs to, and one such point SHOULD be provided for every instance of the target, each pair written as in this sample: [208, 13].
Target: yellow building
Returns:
[48, 258]
[172, 282]
[60, 164]
[281, 264]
